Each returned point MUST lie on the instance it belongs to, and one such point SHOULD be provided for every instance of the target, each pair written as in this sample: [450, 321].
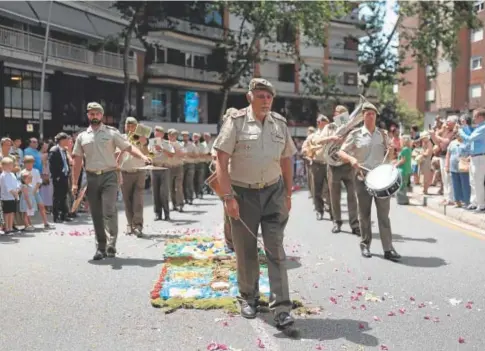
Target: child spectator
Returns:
[28, 204]
[404, 165]
[9, 193]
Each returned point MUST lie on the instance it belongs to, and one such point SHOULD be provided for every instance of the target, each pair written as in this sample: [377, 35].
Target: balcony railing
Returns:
[34, 44]
[183, 26]
[182, 72]
[343, 54]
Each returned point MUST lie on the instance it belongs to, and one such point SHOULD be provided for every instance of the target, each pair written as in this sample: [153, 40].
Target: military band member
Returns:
[319, 172]
[367, 146]
[190, 155]
[98, 145]
[199, 165]
[337, 175]
[255, 173]
[133, 181]
[307, 160]
[163, 152]
[176, 172]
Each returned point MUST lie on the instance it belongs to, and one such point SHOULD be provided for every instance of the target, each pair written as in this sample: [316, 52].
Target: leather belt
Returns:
[319, 162]
[256, 185]
[131, 171]
[482, 154]
[99, 172]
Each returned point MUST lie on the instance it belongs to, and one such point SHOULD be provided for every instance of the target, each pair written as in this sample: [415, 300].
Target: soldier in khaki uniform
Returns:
[190, 157]
[98, 145]
[367, 146]
[199, 165]
[307, 160]
[163, 152]
[133, 181]
[255, 174]
[176, 172]
[321, 194]
[337, 175]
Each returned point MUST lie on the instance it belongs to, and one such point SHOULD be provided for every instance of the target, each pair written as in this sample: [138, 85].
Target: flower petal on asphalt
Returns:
[384, 347]
[361, 326]
[461, 340]
[391, 314]
[377, 319]
[260, 344]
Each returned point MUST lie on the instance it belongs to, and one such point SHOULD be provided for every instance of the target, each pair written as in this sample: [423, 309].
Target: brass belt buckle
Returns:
[260, 185]
[98, 172]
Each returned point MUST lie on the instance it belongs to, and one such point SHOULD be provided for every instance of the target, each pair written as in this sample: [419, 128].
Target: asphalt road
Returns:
[53, 298]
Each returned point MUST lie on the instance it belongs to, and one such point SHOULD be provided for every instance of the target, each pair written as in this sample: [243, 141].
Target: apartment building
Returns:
[453, 90]
[183, 85]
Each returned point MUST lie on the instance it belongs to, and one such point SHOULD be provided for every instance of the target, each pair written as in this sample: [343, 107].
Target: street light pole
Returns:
[42, 80]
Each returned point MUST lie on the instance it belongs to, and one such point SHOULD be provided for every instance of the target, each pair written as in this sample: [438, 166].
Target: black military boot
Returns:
[248, 310]
[99, 255]
[158, 216]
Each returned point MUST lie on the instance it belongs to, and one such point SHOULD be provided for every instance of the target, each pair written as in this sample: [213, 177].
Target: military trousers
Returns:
[383, 207]
[227, 230]
[265, 207]
[309, 178]
[199, 178]
[101, 193]
[176, 185]
[133, 189]
[189, 172]
[161, 191]
[337, 175]
[321, 193]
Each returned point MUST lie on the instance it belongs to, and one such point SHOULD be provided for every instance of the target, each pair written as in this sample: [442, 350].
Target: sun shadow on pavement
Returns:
[401, 238]
[333, 329]
[14, 238]
[292, 262]
[161, 236]
[120, 262]
[205, 204]
[195, 212]
[416, 261]
[183, 221]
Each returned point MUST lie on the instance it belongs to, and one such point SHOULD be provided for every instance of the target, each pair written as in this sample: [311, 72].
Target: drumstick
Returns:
[385, 156]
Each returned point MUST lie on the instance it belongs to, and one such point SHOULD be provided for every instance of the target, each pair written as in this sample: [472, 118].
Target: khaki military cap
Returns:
[173, 131]
[159, 129]
[322, 118]
[311, 129]
[95, 106]
[341, 109]
[131, 120]
[261, 84]
[196, 135]
[369, 106]
[184, 132]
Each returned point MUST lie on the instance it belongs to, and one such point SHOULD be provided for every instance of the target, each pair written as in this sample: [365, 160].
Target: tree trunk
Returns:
[126, 72]
[225, 96]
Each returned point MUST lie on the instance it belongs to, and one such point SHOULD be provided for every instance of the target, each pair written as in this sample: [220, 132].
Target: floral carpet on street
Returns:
[198, 273]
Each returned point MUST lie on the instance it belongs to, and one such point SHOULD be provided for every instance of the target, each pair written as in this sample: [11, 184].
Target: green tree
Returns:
[381, 55]
[261, 24]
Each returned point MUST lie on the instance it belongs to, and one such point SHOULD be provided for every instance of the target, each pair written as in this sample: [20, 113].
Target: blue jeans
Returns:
[461, 186]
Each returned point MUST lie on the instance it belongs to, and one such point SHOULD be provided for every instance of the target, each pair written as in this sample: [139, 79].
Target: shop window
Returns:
[156, 104]
[286, 73]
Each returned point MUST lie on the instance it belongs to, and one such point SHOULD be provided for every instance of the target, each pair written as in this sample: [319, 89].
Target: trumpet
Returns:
[140, 131]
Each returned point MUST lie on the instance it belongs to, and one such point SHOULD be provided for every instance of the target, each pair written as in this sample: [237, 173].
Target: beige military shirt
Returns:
[130, 163]
[202, 152]
[160, 158]
[189, 148]
[99, 147]
[368, 148]
[176, 160]
[319, 153]
[256, 148]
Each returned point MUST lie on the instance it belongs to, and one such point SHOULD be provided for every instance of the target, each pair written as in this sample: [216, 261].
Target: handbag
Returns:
[464, 165]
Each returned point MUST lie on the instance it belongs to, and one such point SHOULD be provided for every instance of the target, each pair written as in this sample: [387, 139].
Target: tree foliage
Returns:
[435, 37]
[261, 24]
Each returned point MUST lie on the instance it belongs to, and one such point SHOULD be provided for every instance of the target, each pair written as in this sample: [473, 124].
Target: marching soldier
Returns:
[176, 172]
[190, 154]
[133, 181]
[163, 152]
[255, 175]
[98, 145]
[307, 160]
[337, 175]
[367, 146]
[199, 165]
[319, 172]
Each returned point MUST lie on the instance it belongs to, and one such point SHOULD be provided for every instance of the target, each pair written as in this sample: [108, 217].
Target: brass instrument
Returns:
[140, 131]
[331, 149]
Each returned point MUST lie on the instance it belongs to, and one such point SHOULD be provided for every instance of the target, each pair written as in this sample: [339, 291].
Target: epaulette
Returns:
[111, 128]
[239, 113]
[278, 116]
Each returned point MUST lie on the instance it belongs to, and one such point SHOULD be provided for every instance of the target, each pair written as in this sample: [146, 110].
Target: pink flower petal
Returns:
[319, 347]
[391, 314]
[315, 285]
[377, 319]
[361, 326]
[384, 347]
[421, 305]
[469, 306]
[436, 319]
[260, 344]
[225, 324]
[461, 340]
[402, 310]
[354, 298]
[369, 278]
[363, 308]
[333, 300]
[427, 317]
[412, 298]
[354, 308]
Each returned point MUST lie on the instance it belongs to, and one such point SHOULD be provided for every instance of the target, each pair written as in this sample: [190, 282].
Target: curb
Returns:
[470, 218]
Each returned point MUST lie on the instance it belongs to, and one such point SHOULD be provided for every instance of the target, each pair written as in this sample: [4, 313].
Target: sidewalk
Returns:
[433, 202]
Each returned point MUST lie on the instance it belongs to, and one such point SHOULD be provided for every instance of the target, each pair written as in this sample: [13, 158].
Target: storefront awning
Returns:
[63, 18]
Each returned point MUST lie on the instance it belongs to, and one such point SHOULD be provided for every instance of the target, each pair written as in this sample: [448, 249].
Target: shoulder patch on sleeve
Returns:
[277, 116]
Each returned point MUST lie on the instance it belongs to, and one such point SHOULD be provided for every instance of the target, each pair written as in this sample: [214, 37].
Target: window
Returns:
[175, 57]
[350, 78]
[199, 62]
[475, 63]
[475, 91]
[22, 94]
[351, 43]
[286, 33]
[188, 60]
[478, 6]
[156, 104]
[476, 35]
[286, 73]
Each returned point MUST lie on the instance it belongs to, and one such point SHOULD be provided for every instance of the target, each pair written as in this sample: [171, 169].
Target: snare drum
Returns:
[383, 181]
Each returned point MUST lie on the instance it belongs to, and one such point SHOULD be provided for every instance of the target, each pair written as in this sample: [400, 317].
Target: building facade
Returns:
[453, 89]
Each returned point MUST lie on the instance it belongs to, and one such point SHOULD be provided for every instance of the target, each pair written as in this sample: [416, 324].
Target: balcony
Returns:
[60, 53]
[283, 87]
[182, 72]
[343, 54]
[187, 27]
